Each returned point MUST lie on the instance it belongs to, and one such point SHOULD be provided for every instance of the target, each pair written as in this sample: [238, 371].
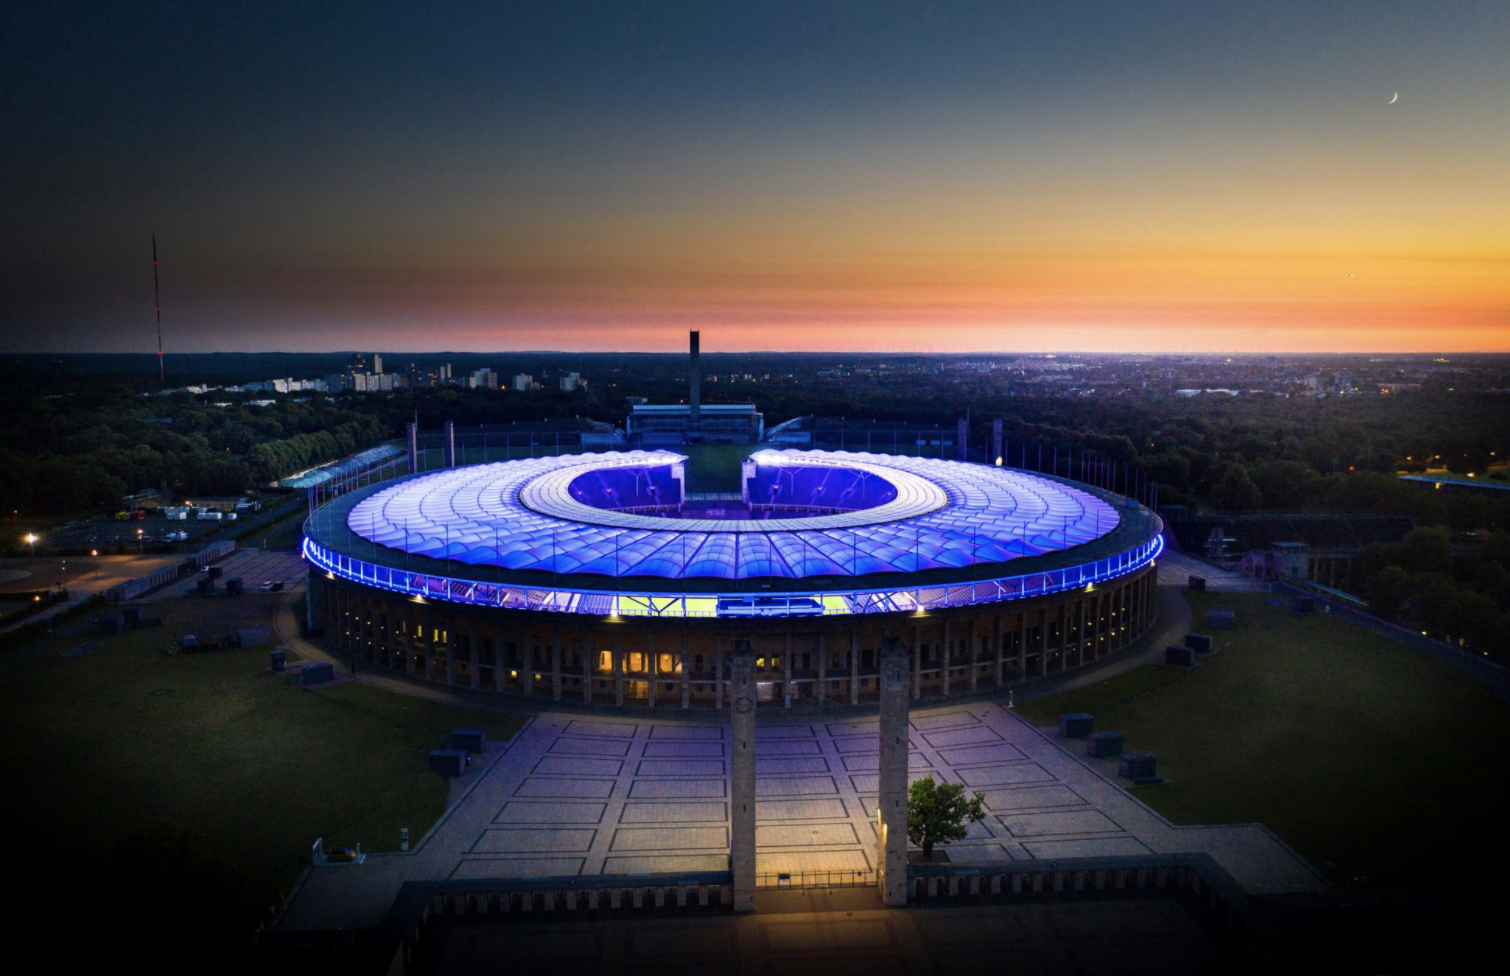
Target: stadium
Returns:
[599, 578]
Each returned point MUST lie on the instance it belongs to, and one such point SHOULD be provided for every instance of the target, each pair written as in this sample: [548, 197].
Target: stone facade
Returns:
[681, 662]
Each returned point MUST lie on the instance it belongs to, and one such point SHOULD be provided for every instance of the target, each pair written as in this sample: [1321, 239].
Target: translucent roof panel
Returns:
[524, 515]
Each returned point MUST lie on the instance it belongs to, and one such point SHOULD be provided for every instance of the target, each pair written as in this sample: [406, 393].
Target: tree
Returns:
[1388, 591]
[938, 812]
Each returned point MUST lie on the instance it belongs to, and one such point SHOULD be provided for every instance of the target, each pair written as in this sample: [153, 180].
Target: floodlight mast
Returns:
[157, 303]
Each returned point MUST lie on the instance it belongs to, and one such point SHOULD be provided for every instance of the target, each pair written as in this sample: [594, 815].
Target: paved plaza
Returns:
[587, 794]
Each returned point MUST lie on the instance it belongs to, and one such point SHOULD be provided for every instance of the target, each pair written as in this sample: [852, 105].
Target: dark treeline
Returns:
[71, 443]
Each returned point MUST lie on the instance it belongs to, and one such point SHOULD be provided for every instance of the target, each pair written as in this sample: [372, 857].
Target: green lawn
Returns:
[127, 738]
[1354, 749]
[715, 467]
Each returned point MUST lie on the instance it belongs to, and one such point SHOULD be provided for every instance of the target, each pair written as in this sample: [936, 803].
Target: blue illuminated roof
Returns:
[524, 515]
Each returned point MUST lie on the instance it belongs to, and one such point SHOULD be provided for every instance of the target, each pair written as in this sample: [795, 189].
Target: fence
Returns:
[817, 879]
[131, 589]
[1494, 675]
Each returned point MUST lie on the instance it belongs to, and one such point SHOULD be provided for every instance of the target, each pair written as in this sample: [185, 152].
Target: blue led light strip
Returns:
[606, 603]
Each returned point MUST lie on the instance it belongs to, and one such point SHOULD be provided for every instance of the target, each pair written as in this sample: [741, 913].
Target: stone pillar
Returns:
[589, 662]
[474, 654]
[314, 601]
[652, 668]
[998, 634]
[527, 662]
[786, 670]
[974, 654]
[448, 652]
[854, 667]
[917, 661]
[416, 640]
[822, 669]
[1022, 645]
[618, 669]
[742, 776]
[718, 671]
[500, 673]
[1043, 641]
[1064, 637]
[555, 663]
[946, 657]
[891, 813]
[686, 676]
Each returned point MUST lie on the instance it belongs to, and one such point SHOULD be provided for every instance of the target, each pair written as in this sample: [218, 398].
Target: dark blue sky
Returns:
[496, 175]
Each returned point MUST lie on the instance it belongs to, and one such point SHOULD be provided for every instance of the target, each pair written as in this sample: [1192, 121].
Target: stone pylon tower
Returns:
[742, 774]
[891, 815]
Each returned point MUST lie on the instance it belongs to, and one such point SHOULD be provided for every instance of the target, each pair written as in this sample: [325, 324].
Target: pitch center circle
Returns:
[568, 493]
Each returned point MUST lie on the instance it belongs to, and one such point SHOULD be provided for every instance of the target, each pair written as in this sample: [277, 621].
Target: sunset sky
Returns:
[1126, 176]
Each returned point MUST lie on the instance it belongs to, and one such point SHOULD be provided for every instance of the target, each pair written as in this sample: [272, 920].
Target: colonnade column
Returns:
[686, 677]
[822, 669]
[999, 635]
[742, 776]
[718, 670]
[917, 660]
[891, 802]
[1043, 641]
[945, 658]
[652, 667]
[618, 669]
[974, 655]
[555, 663]
[474, 655]
[584, 643]
[854, 667]
[786, 670]
[1022, 645]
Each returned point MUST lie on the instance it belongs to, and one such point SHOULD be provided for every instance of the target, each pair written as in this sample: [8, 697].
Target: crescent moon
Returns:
[1395, 99]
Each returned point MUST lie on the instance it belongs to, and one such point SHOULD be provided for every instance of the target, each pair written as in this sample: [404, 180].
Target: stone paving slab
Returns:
[787, 747]
[1066, 822]
[669, 838]
[1032, 798]
[684, 750]
[589, 796]
[562, 787]
[516, 867]
[711, 733]
[979, 755]
[539, 811]
[583, 746]
[519, 840]
[578, 766]
[786, 766]
[961, 737]
[794, 786]
[684, 811]
[677, 789]
[805, 835]
[824, 809]
[680, 767]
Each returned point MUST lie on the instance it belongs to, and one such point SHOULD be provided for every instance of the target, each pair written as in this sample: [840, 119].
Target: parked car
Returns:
[341, 854]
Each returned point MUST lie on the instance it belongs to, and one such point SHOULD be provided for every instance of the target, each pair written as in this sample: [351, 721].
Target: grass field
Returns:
[126, 739]
[1359, 752]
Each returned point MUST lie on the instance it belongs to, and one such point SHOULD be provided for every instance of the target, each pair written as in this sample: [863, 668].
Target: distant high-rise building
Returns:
[377, 363]
[524, 381]
[571, 382]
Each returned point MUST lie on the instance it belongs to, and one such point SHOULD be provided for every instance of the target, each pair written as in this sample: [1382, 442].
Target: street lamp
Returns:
[95, 555]
[31, 540]
[138, 542]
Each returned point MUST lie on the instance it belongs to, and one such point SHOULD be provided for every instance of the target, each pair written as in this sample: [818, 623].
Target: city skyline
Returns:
[960, 178]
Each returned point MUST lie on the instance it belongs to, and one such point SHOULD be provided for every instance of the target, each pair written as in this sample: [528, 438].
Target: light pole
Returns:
[138, 543]
[95, 555]
[31, 540]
